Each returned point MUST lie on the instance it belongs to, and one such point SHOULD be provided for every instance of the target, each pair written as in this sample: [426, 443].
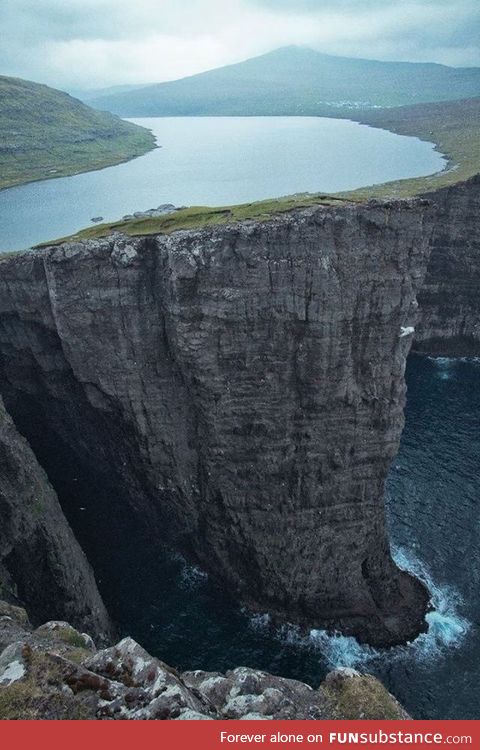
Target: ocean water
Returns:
[215, 161]
[434, 516]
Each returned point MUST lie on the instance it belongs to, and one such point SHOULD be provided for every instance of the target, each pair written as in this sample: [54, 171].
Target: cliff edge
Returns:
[449, 323]
[236, 392]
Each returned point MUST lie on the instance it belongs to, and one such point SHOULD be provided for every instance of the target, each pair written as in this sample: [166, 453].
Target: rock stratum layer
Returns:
[236, 392]
[449, 299]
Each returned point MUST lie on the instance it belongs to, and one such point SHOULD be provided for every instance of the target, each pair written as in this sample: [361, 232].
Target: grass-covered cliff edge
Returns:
[46, 133]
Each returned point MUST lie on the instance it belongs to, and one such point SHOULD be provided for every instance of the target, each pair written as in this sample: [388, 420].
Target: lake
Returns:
[216, 161]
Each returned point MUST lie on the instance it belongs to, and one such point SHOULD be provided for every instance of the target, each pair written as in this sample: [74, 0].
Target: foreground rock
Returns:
[41, 562]
[55, 672]
[236, 391]
[164, 208]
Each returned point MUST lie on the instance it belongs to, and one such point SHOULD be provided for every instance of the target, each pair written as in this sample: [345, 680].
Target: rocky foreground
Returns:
[56, 672]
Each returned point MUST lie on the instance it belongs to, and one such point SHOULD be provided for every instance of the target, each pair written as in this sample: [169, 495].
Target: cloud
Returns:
[88, 43]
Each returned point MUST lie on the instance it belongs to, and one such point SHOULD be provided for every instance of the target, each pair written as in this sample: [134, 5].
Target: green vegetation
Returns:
[46, 133]
[65, 633]
[196, 217]
[39, 694]
[453, 126]
[10, 610]
[71, 637]
[78, 655]
[37, 506]
[360, 697]
[296, 81]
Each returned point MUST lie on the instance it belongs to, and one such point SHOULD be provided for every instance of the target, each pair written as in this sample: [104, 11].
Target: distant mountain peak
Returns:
[296, 80]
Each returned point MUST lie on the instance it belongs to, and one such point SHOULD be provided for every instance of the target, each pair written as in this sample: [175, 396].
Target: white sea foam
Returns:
[446, 628]
[445, 366]
[192, 577]
[260, 622]
[341, 650]
[189, 576]
[442, 360]
[450, 360]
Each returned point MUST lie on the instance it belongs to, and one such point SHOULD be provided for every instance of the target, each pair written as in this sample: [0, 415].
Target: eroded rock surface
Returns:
[55, 672]
[239, 392]
[449, 300]
[41, 562]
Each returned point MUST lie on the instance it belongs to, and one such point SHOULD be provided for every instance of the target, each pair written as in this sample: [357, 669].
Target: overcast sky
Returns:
[93, 43]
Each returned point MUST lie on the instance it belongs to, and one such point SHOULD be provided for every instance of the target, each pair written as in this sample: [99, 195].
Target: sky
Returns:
[83, 44]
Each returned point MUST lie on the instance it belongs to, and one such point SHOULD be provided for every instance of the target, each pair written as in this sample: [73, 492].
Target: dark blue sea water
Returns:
[434, 515]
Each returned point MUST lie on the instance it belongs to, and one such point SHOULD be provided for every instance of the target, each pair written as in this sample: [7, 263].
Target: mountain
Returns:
[296, 81]
[47, 133]
[86, 95]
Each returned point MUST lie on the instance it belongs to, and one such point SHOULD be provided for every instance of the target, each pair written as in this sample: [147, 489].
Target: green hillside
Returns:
[46, 133]
[454, 127]
[296, 81]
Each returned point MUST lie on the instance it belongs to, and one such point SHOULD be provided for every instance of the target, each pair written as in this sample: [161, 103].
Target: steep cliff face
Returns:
[449, 299]
[237, 392]
[40, 560]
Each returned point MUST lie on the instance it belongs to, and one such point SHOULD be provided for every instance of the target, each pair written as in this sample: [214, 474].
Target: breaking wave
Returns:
[446, 629]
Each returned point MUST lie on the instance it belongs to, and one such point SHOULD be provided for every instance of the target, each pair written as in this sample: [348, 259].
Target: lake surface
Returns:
[434, 513]
[216, 161]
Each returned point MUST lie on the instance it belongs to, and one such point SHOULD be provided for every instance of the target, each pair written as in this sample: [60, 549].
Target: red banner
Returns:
[221, 735]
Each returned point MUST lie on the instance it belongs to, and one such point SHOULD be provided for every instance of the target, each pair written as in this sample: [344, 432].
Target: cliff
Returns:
[41, 562]
[55, 672]
[236, 392]
[449, 300]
